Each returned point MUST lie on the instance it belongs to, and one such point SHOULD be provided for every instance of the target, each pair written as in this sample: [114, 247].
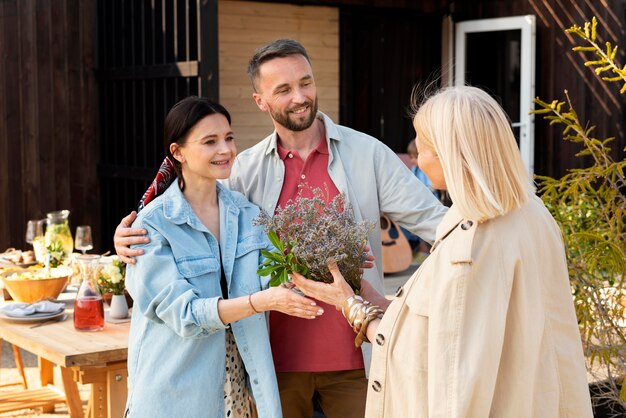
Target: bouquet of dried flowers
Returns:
[111, 277]
[307, 233]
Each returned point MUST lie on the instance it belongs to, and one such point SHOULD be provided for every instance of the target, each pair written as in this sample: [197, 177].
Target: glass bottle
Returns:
[58, 234]
[88, 306]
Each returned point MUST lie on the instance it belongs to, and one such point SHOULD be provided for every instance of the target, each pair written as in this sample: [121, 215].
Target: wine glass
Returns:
[83, 240]
[34, 229]
[34, 236]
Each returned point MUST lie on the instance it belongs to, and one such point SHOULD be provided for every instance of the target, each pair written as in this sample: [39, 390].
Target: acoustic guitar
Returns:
[397, 254]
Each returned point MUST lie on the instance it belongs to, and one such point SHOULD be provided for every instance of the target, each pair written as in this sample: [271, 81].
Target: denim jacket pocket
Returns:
[247, 257]
[190, 267]
[250, 243]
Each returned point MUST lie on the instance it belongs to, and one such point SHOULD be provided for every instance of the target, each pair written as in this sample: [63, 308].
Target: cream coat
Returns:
[485, 328]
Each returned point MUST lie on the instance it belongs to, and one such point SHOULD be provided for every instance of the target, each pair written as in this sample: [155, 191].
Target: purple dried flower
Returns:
[307, 232]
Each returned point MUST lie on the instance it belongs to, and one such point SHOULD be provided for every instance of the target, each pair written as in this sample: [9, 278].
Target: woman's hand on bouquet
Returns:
[285, 300]
[334, 293]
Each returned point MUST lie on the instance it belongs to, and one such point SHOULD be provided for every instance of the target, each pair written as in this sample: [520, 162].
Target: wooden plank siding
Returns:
[48, 108]
[558, 68]
[243, 27]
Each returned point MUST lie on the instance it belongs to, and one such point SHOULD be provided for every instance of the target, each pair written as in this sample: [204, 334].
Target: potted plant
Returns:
[111, 279]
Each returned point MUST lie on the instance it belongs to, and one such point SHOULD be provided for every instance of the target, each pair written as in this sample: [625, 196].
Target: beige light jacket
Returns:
[485, 328]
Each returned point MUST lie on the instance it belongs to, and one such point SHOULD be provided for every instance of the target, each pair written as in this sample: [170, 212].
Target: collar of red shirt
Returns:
[330, 129]
[322, 148]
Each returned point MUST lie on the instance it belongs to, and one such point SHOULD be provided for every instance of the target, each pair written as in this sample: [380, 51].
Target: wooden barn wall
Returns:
[48, 108]
[558, 68]
[245, 26]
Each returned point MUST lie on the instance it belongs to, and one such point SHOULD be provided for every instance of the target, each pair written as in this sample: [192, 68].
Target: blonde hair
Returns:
[481, 162]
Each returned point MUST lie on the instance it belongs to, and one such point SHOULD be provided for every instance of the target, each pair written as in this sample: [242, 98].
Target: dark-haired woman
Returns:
[199, 344]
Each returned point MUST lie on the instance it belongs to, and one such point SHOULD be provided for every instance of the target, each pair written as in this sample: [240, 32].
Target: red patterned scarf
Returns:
[161, 182]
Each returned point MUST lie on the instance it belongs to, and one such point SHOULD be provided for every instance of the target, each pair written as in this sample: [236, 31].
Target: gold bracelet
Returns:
[350, 303]
[359, 313]
[353, 310]
[371, 313]
[250, 303]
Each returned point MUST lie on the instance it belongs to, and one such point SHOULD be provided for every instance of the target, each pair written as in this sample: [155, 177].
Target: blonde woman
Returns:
[486, 327]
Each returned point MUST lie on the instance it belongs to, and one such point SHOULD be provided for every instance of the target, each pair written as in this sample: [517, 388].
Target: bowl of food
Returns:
[32, 285]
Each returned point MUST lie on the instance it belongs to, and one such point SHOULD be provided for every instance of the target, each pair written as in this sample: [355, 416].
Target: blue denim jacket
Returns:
[176, 351]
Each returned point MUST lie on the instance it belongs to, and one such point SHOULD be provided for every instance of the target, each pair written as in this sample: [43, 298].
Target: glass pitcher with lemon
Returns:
[58, 237]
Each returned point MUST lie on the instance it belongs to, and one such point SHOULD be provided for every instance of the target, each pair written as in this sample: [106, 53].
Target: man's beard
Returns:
[284, 119]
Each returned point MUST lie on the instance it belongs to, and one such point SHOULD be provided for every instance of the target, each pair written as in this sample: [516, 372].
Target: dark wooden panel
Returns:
[41, 101]
[208, 50]
[27, 125]
[178, 69]
[383, 55]
[47, 134]
[78, 151]
[164, 50]
[9, 128]
[59, 99]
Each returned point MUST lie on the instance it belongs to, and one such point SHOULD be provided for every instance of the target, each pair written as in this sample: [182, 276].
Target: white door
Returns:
[499, 56]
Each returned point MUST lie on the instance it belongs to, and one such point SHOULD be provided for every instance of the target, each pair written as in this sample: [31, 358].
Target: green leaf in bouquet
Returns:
[272, 255]
[276, 242]
[301, 268]
[277, 278]
[266, 271]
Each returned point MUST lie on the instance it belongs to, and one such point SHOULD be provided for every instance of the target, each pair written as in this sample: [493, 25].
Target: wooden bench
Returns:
[31, 398]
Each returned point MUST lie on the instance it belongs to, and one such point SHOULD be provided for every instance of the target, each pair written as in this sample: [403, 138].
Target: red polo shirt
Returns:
[327, 342]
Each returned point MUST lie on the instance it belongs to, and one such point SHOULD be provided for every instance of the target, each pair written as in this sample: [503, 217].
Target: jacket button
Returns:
[399, 291]
[377, 386]
[466, 225]
[380, 339]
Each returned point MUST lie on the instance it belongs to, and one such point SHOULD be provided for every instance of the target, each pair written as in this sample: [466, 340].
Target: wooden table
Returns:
[96, 358]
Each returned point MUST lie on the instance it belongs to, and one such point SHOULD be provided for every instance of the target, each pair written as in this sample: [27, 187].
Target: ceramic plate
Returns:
[23, 265]
[38, 317]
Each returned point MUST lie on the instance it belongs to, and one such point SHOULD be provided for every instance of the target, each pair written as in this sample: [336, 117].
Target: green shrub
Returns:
[589, 205]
